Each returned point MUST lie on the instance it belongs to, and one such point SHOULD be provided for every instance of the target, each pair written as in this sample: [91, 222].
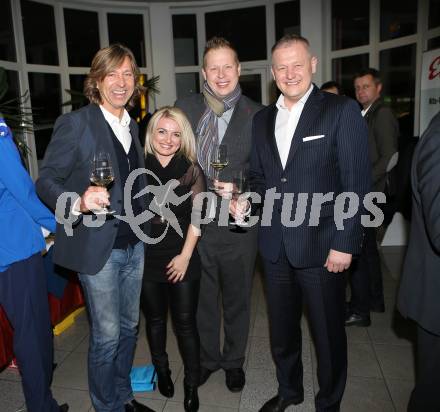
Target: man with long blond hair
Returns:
[109, 259]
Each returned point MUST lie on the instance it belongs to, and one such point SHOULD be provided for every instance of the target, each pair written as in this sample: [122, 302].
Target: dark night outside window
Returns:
[77, 85]
[434, 43]
[350, 23]
[287, 18]
[133, 38]
[7, 43]
[244, 28]
[187, 84]
[251, 86]
[39, 33]
[46, 101]
[185, 40]
[344, 69]
[434, 14]
[82, 36]
[397, 18]
[398, 68]
[13, 86]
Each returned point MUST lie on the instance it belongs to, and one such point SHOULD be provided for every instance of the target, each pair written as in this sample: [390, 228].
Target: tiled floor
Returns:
[381, 364]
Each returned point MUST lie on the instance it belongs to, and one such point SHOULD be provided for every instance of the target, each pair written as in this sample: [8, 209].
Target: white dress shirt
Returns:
[286, 123]
[223, 122]
[364, 111]
[121, 128]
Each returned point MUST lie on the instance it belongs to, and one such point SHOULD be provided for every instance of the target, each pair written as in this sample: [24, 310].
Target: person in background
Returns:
[366, 276]
[314, 143]
[418, 297]
[172, 266]
[23, 289]
[109, 259]
[332, 87]
[222, 114]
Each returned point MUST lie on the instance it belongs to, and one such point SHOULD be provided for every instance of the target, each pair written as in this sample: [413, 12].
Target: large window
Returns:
[350, 23]
[82, 36]
[287, 18]
[434, 14]
[185, 40]
[397, 33]
[7, 42]
[133, 38]
[39, 33]
[250, 42]
[344, 69]
[398, 67]
[53, 62]
[397, 18]
[45, 92]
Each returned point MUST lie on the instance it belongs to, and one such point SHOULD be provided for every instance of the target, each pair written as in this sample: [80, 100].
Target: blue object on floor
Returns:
[143, 378]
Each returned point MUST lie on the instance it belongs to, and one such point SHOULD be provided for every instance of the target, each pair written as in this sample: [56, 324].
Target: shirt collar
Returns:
[112, 119]
[280, 102]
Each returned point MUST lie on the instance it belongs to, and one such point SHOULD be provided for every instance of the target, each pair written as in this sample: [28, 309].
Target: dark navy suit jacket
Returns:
[419, 295]
[337, 162]
[77, 136]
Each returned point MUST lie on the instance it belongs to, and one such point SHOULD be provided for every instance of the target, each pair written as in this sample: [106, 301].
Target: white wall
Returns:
[161, 32]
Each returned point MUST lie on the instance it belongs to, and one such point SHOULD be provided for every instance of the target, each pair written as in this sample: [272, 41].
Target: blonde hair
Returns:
[105, 61]
[216, 43]
[187, 139]
[289, 39]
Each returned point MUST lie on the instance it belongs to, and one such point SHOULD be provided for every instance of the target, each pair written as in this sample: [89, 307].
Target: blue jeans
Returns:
[112, 298]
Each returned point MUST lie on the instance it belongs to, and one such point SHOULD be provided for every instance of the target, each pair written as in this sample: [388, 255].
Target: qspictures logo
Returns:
[290, 209]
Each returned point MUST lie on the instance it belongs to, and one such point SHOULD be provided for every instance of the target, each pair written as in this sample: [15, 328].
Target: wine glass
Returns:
[102, 174]
[240, 193]
[218, 161]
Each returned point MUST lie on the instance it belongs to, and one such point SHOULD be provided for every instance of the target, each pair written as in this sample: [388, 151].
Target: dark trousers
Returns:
[323, 293]
[228, 261]
[23, 295]
[425, 396]
[182, 298]
[366, 276]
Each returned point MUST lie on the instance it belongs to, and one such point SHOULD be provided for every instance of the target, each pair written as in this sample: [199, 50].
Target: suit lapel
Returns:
[308, 116]
[270, 134]
[239, 116]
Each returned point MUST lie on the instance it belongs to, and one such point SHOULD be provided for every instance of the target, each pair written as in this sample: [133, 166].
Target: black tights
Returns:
[182, 297]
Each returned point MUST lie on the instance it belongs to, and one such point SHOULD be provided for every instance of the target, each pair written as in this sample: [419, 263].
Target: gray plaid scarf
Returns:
[207, 129]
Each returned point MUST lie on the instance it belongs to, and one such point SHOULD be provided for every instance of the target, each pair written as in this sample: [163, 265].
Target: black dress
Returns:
[191, 180]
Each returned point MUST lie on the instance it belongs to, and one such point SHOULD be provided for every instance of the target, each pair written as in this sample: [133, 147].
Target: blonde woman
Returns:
[172, 266]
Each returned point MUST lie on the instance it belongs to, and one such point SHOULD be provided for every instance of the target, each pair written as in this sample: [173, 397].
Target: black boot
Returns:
[191, 402]
[164, 382]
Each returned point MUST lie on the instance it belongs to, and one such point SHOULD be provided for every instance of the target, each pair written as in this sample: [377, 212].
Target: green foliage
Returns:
[18, 116]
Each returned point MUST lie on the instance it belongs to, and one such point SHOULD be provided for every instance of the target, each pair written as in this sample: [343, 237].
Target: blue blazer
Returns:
[21, 212]
[338, 162]
[76, 137]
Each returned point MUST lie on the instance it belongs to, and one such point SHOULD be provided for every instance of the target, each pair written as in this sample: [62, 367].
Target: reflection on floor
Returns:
[380, 372]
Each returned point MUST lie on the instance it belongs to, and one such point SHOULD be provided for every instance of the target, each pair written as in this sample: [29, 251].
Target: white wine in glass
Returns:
[102, 173]
[218, 160]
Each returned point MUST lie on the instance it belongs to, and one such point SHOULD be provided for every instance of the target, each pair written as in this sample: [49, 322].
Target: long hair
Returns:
[187, 139]
[105, 61]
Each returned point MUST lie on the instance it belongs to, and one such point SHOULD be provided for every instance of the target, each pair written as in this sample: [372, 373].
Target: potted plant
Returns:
[17, 115]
